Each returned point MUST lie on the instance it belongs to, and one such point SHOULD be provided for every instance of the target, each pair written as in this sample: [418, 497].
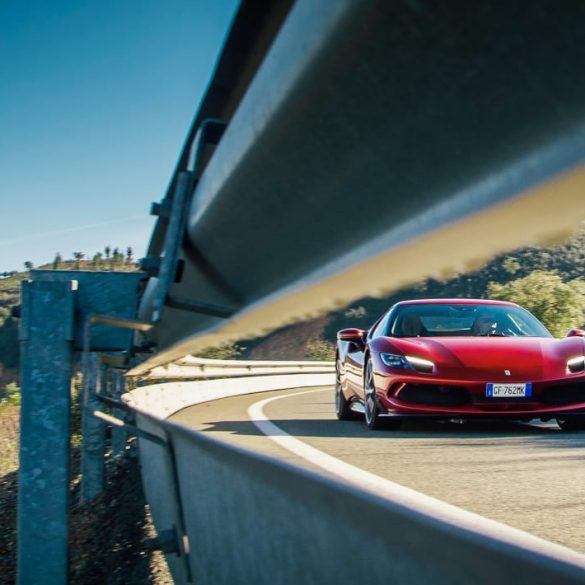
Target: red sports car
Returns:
[460, 359]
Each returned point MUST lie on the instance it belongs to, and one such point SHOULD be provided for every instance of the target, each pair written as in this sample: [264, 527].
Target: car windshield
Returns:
[459, 320]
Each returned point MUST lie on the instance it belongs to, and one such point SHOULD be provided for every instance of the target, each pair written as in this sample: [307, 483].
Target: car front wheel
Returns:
[372, 414]
[342, 404]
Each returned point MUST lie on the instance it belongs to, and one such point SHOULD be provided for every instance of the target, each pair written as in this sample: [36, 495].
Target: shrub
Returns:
[227, 351]
[320, 349]
[11, 394]
[557, 304]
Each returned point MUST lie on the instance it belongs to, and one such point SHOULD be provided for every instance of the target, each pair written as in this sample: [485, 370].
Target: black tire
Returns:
[342, 404]
[372, 414]
[572, 423]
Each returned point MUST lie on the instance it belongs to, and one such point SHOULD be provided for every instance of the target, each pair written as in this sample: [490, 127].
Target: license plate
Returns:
[508, 390]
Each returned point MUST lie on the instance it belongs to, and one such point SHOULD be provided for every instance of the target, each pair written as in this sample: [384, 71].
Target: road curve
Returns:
[531, 477]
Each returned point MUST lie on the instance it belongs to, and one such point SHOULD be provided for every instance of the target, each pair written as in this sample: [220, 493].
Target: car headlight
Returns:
[407, 362]
[421, 365]
[393, 360]
[576, 364]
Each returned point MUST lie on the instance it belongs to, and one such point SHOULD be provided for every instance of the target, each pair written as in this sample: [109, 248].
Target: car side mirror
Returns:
[352, 335]
[576, 333]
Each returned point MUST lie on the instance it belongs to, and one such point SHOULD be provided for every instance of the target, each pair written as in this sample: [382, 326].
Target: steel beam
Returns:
[58, 316]
[378, 143]
[119, 436]
[43, 496]
[93, 446]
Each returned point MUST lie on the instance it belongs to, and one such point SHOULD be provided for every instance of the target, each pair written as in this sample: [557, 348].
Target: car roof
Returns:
[458, 301]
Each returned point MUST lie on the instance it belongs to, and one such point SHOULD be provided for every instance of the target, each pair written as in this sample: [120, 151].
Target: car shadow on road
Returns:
[472, 432]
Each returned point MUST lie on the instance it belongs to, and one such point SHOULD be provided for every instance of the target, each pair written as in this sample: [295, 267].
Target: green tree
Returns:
[117, 258]
[355, 312]
[97, 261]
[79, 256]
[511, 265]
[29, 265]
[559, 305]
[11, 394]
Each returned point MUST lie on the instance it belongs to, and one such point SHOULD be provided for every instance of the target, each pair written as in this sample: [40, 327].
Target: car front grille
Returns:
[446, 395]
[432, 394]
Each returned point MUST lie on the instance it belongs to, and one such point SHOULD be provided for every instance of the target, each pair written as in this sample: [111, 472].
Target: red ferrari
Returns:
[460, 359]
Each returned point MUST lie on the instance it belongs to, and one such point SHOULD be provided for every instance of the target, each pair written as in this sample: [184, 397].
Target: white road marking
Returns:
[404, 496]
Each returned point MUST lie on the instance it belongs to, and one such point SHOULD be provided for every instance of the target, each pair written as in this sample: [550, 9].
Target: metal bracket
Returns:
[116, 422]
[93, 444]
[151, 265]
[162, 209]
[174, 213]
[176, 540]
[114, 403]
[168, 266]
[105, 320]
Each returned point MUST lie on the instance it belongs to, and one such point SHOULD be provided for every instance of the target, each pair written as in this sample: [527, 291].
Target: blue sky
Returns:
[96, 97]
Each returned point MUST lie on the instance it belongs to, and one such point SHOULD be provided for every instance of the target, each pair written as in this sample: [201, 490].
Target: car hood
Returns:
[507, 358]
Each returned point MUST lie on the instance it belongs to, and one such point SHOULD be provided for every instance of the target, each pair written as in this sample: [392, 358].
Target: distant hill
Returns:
[314, 339]
[10, 282]
[567, 259]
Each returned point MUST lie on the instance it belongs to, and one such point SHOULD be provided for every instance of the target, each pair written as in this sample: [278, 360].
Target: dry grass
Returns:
[9, 433]
[108, 537]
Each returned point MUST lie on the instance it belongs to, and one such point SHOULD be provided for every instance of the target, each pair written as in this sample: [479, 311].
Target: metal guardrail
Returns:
[229, 515]
[192, 367]
[206, 380]
[368, 144]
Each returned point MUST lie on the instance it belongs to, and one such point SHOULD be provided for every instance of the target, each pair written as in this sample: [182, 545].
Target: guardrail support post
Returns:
[43, 495]
[119, 436]
[93, 431]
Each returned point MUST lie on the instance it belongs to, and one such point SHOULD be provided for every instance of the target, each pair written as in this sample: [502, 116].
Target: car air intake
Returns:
[433, 394]
[563, 394]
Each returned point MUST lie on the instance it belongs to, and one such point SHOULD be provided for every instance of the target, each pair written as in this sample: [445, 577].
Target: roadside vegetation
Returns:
[548, 281]
[9, 445]
[227, 351]
[555, 302]
[319, 349]
[9, 431]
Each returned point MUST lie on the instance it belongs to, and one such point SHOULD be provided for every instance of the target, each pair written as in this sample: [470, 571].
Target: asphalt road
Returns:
[529, 476]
